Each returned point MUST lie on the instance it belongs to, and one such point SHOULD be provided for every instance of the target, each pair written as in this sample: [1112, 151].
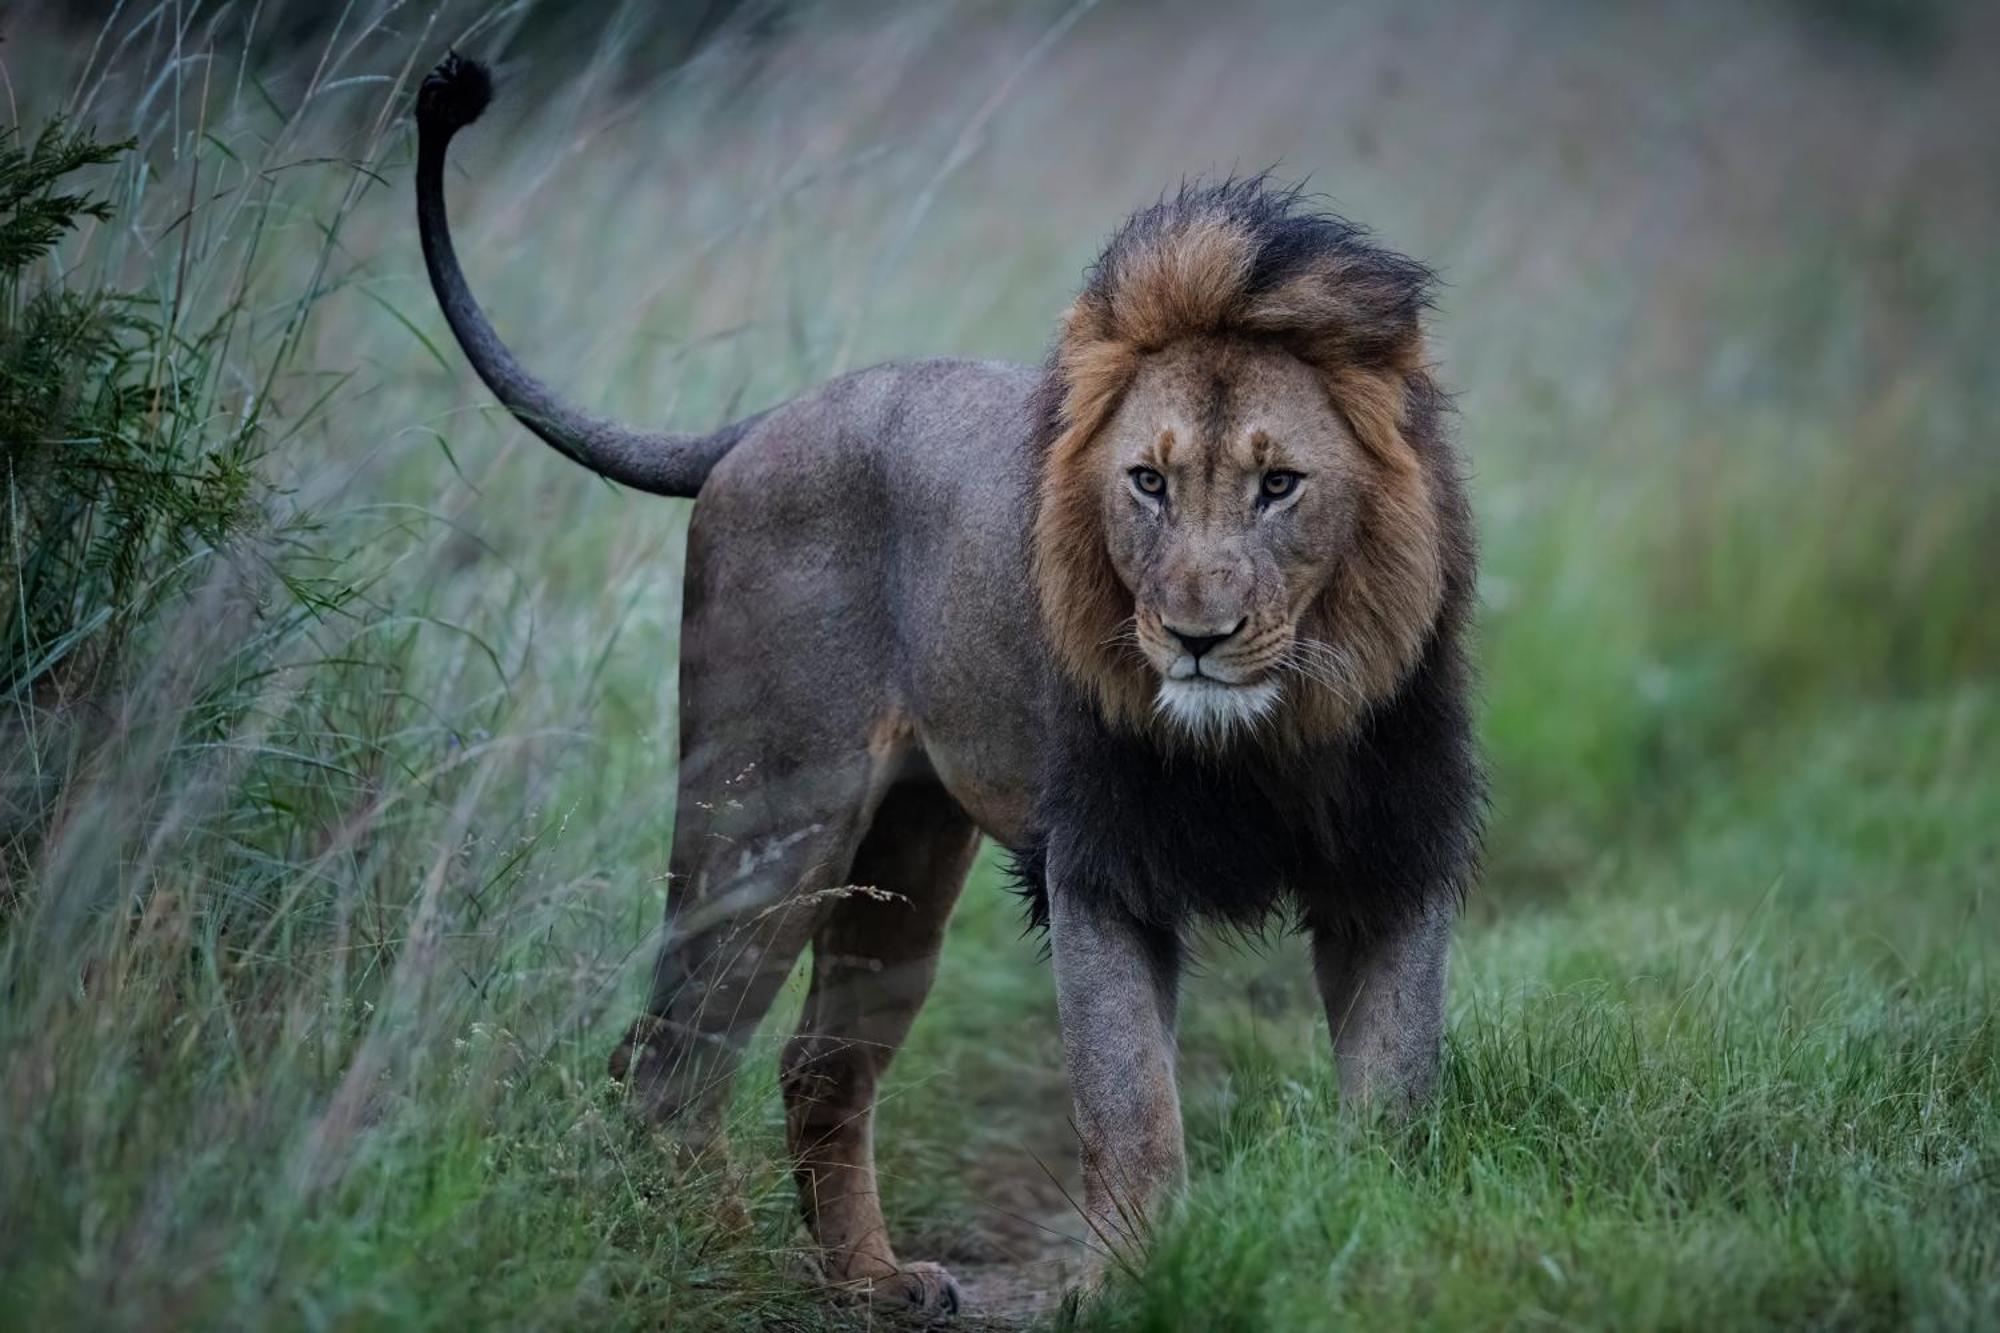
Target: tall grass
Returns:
[352, 866]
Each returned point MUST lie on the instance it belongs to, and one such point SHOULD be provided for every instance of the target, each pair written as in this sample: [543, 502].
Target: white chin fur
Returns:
[1209, 710]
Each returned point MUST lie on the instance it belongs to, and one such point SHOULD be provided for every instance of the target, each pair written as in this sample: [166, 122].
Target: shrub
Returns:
[117, 472]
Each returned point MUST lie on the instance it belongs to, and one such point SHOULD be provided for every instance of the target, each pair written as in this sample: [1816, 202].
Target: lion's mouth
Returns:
[1211, 668]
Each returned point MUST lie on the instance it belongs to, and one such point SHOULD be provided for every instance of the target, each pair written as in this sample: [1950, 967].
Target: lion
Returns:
[1178, 618]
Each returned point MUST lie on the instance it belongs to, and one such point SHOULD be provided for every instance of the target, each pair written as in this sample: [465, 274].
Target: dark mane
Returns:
[1357, 835]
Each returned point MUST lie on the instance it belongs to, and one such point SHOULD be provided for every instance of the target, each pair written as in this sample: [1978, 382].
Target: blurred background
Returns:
[340, 715]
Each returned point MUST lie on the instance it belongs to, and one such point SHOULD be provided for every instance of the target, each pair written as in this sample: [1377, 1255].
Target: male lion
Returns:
[1177, 617]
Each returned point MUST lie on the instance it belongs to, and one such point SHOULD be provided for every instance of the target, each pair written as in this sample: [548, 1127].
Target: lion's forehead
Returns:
[1213, 401]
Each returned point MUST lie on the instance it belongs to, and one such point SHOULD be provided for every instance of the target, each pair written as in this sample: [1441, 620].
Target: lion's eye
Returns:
[1278, 485]
[1149, 481]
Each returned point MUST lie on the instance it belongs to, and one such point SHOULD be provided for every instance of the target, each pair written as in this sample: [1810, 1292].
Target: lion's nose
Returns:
[1197, 644]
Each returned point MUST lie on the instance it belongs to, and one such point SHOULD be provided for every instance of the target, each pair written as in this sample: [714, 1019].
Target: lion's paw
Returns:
[924, 1288]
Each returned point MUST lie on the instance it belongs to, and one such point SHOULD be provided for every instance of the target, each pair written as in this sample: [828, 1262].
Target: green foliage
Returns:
[114, 467]
[37, 216]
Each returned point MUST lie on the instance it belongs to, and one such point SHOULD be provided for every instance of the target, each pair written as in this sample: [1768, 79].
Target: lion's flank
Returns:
[1245, 258]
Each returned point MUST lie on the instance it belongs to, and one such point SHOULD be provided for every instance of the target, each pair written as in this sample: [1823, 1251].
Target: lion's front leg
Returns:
[1384, 1000]
[1116, 984]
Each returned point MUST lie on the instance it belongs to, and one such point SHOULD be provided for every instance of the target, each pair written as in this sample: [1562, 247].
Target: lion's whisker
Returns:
[1323, 665]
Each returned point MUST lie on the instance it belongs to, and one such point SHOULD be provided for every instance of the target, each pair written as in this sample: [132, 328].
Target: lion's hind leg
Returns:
[757, 845]
[873, 960]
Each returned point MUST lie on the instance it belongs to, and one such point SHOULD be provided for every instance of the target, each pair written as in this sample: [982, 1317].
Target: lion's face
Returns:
[1235, 508]
[1228, 487]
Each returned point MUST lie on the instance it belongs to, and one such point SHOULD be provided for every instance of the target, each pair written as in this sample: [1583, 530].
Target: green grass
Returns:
[1734, 1083]
[306, 993]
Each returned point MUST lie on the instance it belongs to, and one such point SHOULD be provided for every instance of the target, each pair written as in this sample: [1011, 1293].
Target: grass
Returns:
[1731, 1084]
[306, 992]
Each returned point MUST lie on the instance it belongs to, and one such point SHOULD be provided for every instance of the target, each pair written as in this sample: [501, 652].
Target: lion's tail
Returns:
[452, 97]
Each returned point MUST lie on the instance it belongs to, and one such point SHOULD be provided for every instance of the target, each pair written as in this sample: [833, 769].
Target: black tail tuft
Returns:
[453, 95]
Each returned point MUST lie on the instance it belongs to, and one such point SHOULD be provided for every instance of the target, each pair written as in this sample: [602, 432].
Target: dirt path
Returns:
[1041, 1260]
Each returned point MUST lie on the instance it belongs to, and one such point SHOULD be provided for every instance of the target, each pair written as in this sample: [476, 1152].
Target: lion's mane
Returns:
[1364, 802]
